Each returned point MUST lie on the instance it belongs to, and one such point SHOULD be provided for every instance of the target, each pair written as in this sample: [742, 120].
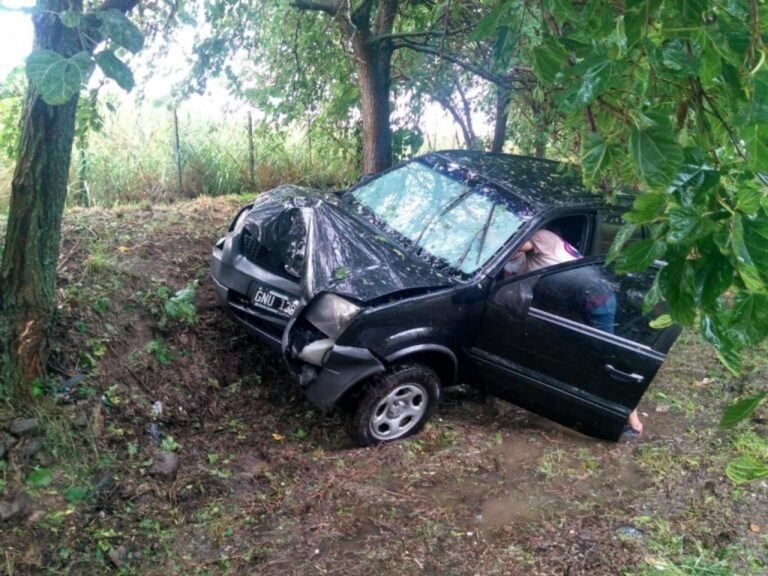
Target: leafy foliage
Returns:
[59, 77]
[671, 100]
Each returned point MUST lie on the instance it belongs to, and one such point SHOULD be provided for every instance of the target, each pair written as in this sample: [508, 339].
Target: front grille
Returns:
[259, 254]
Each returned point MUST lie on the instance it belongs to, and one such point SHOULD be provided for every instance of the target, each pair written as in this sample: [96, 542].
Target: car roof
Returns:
[539, 182]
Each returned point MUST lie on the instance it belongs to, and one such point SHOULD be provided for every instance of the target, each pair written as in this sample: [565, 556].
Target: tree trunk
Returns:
[374, 70]
[38, 193]
[503, 97]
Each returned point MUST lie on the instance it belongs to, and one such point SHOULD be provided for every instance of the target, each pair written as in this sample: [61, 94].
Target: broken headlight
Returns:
[331, 314]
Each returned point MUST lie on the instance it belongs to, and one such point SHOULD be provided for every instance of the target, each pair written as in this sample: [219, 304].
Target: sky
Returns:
[16, 35]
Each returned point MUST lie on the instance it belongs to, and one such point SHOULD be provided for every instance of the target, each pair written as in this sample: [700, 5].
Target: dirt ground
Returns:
[267, 485]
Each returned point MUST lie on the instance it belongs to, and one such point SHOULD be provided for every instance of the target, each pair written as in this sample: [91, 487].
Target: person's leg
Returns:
[634, 422]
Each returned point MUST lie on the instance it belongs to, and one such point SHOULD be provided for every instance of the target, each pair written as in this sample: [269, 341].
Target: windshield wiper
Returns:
[485, 233]
[451, 205]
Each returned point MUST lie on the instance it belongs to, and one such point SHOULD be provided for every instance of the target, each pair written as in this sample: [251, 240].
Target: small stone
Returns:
[117, 555]
[21, 427]
[165, 465]
[630, 532]
[31, 448]
[18, 507]
[9, 441]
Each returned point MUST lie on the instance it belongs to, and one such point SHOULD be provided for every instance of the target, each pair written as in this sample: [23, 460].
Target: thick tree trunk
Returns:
[38, 193]
[503, 97]
[374, 70]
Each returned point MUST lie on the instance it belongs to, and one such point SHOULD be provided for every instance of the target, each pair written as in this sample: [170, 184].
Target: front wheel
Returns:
[395, 405]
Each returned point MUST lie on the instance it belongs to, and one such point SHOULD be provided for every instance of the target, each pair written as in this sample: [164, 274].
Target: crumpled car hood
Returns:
[333, 251]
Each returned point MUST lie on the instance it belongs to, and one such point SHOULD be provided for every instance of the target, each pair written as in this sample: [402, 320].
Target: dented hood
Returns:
[308, 234]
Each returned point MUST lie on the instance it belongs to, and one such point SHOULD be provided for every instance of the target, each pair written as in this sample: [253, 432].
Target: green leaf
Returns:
[595, 158]
[76, 493]
[40, 477]
[755, 138]
[663, 321]
[115, 69]
[741, 410]
[118, 28]
[691, 11]
[748, 317]
[647, 208]
[656, 155]
[678, 284]
[623, 236]
[749, 241]
[71, 18]
[549, 60]
[746, 469]
[683, 223]
[726, 348]
[58, 79]
[639, 255]
[594, 81]
[749, 199]
[713, 277]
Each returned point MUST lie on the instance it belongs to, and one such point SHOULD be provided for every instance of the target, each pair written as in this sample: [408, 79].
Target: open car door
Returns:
[572, 343]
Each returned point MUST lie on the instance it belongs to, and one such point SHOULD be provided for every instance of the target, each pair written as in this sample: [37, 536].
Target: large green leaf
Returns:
[621, 239]
[647, 208]
[639, 255]
[713, 331]
[714, 276]
[40, 477]
[741, 410]
[71, 18]
[115, 69]
[56, 78]
[684, 223]
[595, 157]
[595, 81]
[677, 282]
[748, 317]
[656, 154]
[749, 239]
[755, 138]
[746, 469]
[549, 60]
[118, 28]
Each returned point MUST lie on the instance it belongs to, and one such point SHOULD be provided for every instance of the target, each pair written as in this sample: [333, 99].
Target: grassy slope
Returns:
[268, 486]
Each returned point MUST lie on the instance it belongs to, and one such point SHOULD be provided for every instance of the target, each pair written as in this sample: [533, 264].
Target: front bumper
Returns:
[345, 367]
[234, 281]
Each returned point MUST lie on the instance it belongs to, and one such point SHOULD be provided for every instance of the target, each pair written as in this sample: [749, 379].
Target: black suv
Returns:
[380, 295]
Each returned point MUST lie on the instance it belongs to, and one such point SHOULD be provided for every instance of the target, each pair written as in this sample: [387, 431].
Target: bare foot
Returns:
[634, 421]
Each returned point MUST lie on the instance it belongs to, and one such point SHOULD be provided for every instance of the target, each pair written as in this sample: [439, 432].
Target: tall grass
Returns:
[132, 159]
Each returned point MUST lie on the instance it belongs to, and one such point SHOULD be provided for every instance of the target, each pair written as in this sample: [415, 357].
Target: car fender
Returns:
[449, 365]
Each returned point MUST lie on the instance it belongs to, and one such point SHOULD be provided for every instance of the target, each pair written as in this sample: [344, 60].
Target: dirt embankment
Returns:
[262, 484]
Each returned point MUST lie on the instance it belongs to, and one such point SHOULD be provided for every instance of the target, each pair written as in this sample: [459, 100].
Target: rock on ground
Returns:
[21, 427]
[165, 465]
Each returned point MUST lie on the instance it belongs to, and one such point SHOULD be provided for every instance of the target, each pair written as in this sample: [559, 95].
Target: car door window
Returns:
[596, 296]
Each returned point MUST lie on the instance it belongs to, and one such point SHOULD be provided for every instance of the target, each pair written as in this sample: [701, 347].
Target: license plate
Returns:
[272, 300]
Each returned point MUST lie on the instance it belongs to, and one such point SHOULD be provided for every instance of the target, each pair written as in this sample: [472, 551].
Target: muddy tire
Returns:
[394, 405]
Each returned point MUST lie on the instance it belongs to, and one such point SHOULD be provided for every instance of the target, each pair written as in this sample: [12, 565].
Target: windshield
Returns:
[443, 212]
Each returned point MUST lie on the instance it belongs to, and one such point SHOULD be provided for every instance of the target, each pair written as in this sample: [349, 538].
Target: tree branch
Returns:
[518, 74]
[327, 6]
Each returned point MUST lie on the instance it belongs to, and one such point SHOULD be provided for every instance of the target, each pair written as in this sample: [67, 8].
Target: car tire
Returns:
[394, 405]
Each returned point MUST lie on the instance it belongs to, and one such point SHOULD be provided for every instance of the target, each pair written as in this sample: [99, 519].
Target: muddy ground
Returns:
[266, 485]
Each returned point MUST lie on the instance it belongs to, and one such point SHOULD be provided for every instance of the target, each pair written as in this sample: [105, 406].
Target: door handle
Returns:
[624, 376]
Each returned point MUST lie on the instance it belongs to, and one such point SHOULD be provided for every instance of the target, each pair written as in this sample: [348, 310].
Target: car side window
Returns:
[608, 226]
[598, 297]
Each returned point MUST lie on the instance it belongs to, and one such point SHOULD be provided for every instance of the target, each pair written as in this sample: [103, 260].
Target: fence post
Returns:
[251, 161]
[82, 173]
[177, 147]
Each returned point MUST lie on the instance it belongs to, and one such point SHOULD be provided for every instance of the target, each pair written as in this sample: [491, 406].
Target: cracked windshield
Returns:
[459, 223]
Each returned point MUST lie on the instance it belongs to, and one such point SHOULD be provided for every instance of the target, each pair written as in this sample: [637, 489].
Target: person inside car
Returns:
[597, 301]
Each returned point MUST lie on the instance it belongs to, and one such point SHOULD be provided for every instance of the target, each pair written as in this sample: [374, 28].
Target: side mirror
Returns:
[516, 297]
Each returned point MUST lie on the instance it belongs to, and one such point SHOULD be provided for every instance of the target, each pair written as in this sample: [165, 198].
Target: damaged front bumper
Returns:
[344, 367]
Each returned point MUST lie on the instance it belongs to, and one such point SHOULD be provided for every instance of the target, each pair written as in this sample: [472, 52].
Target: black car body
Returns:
[387, 291]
